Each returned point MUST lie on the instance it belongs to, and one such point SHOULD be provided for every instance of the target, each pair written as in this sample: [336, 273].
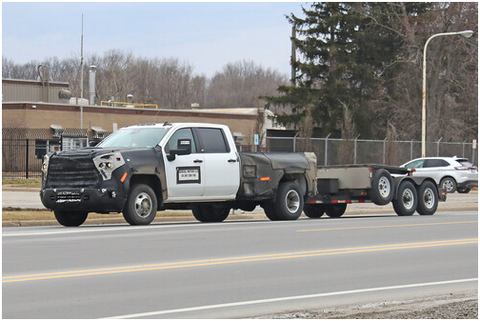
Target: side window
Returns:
[435, 163]
[213, 140]
[179, 134]
[415, 164]
[444, 163]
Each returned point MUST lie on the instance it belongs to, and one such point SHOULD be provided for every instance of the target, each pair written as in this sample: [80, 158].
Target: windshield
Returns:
[134, 137]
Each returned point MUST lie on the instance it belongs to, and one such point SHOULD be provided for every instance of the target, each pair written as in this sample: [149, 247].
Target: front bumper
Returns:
[101, 200]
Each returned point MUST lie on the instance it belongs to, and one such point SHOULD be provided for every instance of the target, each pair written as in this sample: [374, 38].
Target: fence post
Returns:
[411, 149]
[326, 149]
[384, 149]
[295, 143]
[438, 146]
[463, 148]
[26, 159]
[355, 151]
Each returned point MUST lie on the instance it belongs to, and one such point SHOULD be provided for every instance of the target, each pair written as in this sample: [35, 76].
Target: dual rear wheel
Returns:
[288, 205]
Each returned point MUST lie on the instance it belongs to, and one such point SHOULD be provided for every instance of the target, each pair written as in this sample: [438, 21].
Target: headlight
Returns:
[107, 163]
[46, 161]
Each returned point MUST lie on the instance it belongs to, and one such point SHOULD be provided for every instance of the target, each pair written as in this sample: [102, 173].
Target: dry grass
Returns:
[22, 183]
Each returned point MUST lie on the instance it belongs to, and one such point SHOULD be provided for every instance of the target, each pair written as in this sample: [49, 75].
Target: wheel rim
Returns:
[143, 204]
[292, 199]
[448, 185]
[408, 199]
[429, 198]
[384, 187]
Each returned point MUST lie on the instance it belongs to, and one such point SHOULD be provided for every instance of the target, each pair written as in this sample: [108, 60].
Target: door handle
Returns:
[198, 161]
[232, 160]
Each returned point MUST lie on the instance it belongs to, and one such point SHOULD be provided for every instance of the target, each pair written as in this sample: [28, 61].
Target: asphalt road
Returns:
[234, 268]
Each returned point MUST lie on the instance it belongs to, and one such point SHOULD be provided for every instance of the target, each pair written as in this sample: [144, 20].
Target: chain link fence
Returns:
[334, 151]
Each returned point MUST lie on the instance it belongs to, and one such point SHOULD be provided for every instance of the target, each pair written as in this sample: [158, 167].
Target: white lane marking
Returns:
[106, 229]
[288, 298]
[179, 224]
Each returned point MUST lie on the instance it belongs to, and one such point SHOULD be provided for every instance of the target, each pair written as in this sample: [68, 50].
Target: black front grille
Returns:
[72, 172]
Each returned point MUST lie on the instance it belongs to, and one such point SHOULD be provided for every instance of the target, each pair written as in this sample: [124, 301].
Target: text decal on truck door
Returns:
[188, 175]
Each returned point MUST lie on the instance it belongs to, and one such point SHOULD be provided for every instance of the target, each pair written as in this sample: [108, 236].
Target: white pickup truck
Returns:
[139, 170]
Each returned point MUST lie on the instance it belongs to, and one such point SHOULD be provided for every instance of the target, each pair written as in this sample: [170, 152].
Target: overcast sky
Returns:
[207, 35]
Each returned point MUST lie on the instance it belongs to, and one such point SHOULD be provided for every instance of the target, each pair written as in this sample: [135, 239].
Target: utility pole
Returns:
[81, 82]
[293, 57]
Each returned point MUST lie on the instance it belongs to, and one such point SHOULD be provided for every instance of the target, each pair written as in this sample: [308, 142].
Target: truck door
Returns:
[185, 174]
[222, 167]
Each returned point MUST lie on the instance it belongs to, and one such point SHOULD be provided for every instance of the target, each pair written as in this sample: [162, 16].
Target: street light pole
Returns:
[466, 34]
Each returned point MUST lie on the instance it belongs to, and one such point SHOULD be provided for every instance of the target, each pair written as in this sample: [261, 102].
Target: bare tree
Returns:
[240, 84]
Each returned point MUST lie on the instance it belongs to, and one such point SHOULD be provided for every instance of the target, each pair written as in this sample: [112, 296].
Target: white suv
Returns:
[451, 173]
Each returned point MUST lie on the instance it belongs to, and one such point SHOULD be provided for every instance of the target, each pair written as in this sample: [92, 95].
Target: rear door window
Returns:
[213, 140]
[435, 163]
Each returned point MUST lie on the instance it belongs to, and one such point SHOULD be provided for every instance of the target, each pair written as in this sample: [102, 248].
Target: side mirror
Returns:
[92, 143]
[184, 147]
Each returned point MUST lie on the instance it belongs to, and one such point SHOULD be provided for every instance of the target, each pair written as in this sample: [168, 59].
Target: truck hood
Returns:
[95, 151]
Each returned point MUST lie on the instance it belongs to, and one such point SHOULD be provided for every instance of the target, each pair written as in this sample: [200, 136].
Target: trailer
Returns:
[338, 186]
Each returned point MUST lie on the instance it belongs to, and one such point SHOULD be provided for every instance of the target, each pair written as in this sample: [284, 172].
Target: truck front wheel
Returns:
[70, 218]
[406, 201]
[141, 206]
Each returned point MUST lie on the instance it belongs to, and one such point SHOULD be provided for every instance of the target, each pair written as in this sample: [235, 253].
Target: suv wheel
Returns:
[449, 184]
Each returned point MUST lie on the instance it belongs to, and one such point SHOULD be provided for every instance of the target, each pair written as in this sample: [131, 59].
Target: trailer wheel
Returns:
[70, 218]
[141, 205]
[427, 199]
[406, 201]
[314, 211]
[288, 205]
[210, 213]
[382, 187]
[336, 210]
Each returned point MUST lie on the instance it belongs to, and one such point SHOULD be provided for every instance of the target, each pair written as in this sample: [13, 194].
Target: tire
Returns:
[464, 190]
[210, 213]
[70, 218]
[288, 205]
[314, 211]
[336, 210]
[141, 205]
[269, 210]
[449, 184]
[406, 202]
[382, 187]
[427, 199]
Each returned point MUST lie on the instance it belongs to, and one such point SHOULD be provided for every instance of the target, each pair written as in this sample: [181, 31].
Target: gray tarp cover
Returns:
[274, 166]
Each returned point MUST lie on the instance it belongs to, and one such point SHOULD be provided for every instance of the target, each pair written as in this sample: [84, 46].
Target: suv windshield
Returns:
[134, 137]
